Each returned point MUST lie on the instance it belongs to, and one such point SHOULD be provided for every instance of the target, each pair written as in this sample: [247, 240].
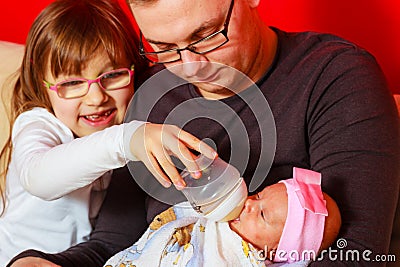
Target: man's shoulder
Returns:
[313, 52]
[307, 42]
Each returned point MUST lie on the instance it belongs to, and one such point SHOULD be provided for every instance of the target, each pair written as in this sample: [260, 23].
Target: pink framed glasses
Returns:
[78, 87]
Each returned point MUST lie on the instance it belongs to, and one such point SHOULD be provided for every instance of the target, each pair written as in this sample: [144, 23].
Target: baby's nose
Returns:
[250, 205]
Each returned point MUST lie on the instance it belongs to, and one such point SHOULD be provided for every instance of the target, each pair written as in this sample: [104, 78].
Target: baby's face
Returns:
[263, 217]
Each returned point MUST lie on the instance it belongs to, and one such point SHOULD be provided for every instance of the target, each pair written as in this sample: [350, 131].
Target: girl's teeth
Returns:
[96, 116]
[92, 117]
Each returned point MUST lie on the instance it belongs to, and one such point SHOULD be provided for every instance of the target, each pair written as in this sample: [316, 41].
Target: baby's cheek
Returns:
[253, 235]
[260, 239]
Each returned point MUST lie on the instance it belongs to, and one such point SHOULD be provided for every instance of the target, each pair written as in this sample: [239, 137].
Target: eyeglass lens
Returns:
[202, 46]
[108, 81]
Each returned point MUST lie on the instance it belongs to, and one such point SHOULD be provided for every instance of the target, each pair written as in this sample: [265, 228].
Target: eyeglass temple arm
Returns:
[47, 84]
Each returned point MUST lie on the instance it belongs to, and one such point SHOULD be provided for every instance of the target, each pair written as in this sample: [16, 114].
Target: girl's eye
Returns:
[71, 83]
[262, 215]
[113, 74]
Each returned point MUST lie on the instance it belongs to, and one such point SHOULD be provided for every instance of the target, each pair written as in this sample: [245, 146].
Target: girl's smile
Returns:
[99, 119]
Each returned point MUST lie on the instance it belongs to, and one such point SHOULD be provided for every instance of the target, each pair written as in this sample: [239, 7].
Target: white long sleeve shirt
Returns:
[52, 185]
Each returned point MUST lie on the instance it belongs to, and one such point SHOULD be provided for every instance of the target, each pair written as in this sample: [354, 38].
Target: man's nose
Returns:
[192, 62]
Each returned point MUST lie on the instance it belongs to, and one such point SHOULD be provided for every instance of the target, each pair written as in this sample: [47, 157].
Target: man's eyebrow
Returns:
[206, 25]
[156, 42]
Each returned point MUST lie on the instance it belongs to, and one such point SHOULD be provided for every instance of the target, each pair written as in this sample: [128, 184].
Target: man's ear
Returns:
[253, 3]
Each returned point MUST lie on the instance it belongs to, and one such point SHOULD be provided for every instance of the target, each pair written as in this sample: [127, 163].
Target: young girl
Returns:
[75, 82]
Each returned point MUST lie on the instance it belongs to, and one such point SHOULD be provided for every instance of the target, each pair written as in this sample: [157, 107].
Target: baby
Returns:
[291, 221]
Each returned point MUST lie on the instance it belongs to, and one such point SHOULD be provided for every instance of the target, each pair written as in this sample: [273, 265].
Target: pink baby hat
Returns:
[304, 227]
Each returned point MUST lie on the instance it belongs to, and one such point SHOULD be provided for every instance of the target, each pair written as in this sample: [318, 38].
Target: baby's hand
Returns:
[154, 143]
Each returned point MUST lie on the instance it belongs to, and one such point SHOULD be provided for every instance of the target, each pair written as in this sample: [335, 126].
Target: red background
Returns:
[372, 24]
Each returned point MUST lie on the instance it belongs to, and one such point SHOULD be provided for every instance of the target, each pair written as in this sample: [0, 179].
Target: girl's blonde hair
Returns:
[64, 37]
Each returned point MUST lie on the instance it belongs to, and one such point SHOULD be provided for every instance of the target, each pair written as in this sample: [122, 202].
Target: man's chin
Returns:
[212, 91]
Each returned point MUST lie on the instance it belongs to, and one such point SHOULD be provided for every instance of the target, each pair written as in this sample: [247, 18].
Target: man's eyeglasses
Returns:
[202, 46]
[78, 87]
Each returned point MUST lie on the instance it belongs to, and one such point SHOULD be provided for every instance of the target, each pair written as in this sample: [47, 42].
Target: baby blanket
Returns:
[209, 244]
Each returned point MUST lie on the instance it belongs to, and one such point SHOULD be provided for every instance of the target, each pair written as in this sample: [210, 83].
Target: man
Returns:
[331, 107]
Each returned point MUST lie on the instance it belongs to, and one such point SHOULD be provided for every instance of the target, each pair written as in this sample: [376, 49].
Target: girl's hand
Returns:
[154, 143]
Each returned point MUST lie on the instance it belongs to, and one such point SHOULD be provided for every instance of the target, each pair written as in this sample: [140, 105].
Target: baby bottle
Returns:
[219, 194]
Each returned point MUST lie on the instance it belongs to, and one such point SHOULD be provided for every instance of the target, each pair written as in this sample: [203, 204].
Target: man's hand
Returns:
[33, 262]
